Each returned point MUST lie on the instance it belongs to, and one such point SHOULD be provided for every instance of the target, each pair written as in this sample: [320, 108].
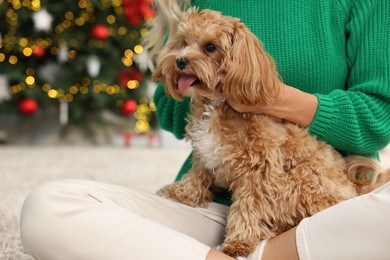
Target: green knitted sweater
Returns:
[338, 50]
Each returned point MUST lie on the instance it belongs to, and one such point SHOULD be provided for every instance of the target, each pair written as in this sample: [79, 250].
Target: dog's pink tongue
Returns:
[185, 81]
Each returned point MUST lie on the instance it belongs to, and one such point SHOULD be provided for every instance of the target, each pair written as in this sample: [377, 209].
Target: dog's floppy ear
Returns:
[163, 69]
[251, 77]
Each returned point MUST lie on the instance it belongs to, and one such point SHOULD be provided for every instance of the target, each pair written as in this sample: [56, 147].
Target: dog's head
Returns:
[217, 57]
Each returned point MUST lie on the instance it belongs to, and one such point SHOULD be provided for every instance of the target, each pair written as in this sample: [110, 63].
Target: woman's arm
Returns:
[292, 105]
[355, 120]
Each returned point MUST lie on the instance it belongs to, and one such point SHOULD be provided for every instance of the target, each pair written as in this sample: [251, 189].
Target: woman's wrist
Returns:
[293, 105]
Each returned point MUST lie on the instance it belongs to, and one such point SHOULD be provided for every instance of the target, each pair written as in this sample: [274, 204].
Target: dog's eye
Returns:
[210, 47]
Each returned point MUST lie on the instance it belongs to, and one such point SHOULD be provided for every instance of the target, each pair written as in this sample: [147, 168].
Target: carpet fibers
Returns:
[23, 168]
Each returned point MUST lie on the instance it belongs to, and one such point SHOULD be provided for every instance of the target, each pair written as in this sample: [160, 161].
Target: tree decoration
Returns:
[64, 113]
[4, 93]
[38, 51]
[50, 71]
[63, 52]
[99, 32]
[42, 20]
[137, 11]
[127, 75]
[27, 106]
[93, 66]
[129, 107]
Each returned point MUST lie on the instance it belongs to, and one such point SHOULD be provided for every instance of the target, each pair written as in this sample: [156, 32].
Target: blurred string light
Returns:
[127, 58]
[138, 49]
[133, 84]
[142, 115]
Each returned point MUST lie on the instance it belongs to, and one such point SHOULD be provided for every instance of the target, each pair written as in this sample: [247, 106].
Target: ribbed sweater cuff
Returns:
[324, 116]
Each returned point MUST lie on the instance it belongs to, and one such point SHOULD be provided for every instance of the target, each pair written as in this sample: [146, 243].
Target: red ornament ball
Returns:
[129, 107]
[38, 51]
[133, 74]
[137, 11]
[99, 32]
[28, 106]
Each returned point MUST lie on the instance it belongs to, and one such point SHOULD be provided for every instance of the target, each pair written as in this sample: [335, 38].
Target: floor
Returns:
[24, 167]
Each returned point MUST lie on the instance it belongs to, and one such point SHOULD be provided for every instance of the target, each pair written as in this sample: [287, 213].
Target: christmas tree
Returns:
[82, 57]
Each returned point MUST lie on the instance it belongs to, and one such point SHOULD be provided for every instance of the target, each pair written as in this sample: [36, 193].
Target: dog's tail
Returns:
[163, 27]
[366, 173]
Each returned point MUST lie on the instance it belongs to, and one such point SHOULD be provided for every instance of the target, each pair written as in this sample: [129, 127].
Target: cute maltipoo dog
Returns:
[277, 172]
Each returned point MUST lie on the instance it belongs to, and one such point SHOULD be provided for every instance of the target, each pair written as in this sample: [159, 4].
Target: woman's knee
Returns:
[35, 213]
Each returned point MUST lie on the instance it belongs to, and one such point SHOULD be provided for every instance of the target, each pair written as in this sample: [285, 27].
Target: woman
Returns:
[334, 59]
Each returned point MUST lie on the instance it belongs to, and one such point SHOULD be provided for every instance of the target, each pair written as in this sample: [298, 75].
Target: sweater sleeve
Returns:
[357, 120]
[171, 114]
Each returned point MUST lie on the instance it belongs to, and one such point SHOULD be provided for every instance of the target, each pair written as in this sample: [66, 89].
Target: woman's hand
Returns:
[291, 104]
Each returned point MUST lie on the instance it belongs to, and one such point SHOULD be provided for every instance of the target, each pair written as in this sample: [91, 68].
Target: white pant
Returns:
[356, 229]
[82, 220]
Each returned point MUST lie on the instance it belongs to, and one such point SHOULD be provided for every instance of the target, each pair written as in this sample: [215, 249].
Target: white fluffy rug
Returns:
[22, 168]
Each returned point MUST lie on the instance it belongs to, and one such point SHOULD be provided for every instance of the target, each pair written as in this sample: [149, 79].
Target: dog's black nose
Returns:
[182, 62]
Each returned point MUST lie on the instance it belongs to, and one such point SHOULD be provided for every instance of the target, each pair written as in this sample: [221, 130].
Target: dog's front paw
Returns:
[194, 197]
[238, 248]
